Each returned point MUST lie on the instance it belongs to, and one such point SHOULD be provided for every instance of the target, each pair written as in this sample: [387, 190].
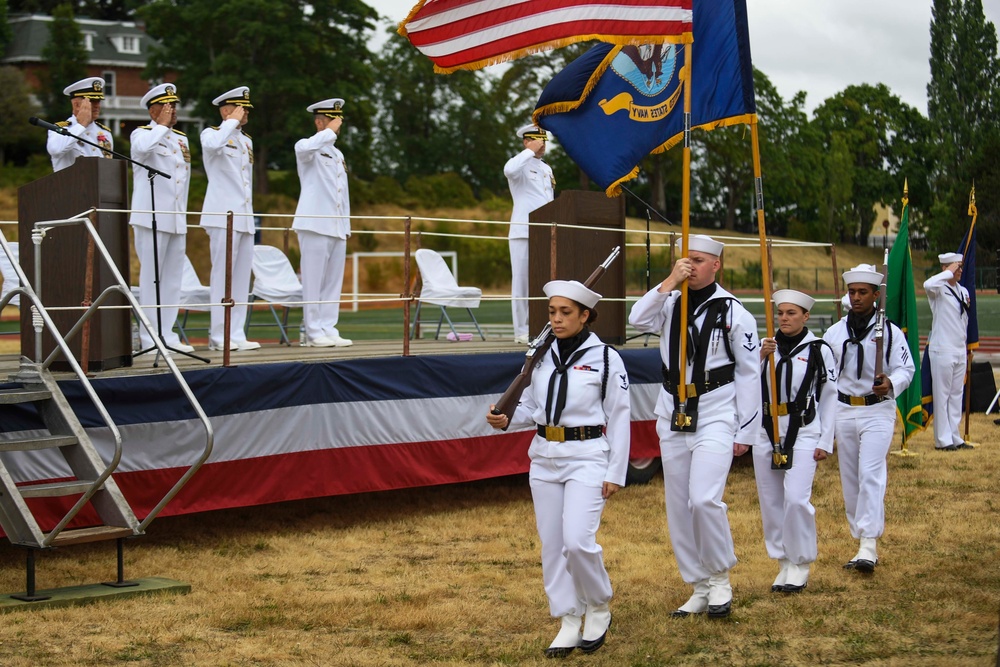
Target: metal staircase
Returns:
[91, 483]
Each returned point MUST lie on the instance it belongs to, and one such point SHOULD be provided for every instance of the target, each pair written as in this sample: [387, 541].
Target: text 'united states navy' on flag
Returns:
[470, 34]
[615, 105]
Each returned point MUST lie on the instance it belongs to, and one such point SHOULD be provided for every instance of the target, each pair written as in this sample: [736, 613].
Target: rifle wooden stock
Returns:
[507, 403]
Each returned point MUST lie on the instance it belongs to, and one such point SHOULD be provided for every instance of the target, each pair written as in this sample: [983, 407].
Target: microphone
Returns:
[47, 125]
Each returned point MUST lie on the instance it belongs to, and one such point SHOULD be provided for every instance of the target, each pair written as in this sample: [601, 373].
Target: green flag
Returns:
[901, 308]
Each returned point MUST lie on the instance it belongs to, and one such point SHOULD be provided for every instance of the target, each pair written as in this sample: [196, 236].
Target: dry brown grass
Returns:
[451, 576]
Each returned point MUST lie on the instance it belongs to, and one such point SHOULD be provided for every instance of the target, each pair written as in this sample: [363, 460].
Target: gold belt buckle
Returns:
[555, 433]
[857, 400]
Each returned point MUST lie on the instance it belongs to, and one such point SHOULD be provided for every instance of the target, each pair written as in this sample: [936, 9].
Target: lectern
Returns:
[567, 252]
[91, 182]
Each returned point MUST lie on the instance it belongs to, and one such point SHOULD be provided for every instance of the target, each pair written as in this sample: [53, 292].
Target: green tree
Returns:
[66, 58]
[15, 108]
[963, 98]
[108, 10]
[289, 52]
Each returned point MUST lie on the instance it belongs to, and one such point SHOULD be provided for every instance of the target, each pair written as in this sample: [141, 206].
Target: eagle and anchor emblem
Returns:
[649, 69]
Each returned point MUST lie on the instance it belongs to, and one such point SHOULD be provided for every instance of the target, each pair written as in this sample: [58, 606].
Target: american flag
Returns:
[470, 34]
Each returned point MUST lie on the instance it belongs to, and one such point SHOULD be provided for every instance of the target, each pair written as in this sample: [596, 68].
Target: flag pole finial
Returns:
[972, 198]
[906, 191]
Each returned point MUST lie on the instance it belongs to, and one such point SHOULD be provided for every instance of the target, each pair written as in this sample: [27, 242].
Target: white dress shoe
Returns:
[521, 340]
[218, 348]
[779, 581]
[339, 341]
[321, 341]
[567, 639]
[697, 603]
[246, 345]
[181, 347]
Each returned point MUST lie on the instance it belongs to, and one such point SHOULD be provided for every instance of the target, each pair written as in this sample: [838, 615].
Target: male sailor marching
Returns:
[723, 404]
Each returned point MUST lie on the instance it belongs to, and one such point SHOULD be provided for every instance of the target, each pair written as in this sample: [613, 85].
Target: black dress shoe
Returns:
[949, 448]
[964, 446]
[680, 613]
[591, 646]
[720, 610]
[864, 566]
[775, 588]
[790, 588]
[558, 651]
[850, 565]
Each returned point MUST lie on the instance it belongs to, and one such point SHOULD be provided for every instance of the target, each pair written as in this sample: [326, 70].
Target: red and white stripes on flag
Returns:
[470, 34]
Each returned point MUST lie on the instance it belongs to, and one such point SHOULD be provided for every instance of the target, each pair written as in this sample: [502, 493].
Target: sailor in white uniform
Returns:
[806, 379]
[946, 349]
[228, 155]
[723, 404]
[85, 96]
[531, 186]
[866, 409]
[161, 147]
[578, 401]
[323, 241]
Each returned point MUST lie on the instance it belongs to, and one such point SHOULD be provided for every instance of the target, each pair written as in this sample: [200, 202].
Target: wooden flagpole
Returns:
[780, 459]
[974, 212]
[682, 420]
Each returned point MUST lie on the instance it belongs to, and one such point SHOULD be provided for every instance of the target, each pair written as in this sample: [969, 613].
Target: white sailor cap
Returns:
[804, 301]
[863, 273]
[702, 243]
[165, 93]
[91, 88]
[572, 289]
[332, 108]
[240, 96]
[950, 257]
[531, 132]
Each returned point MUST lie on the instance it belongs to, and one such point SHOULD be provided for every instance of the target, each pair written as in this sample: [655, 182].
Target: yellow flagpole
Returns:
[779, 458]
[682, 420]
[974, 212]
[904, 449]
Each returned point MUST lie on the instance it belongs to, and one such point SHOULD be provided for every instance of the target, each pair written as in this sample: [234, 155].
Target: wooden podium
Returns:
[572, 254]
[91, 182]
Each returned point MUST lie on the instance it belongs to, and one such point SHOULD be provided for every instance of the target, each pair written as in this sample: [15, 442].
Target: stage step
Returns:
[67, 436]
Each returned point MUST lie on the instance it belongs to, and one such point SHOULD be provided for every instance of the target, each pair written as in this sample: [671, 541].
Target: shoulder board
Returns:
[145, 127]
[213, 127]
[103, 126]
[63, 123]
[247, 135]
[178, 132]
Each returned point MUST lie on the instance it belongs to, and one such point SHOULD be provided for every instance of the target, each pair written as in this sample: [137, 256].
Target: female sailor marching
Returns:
[807, 404]
[576, 390]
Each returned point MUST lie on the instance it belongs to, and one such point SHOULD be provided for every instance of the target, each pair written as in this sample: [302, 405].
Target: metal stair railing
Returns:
[41, 319]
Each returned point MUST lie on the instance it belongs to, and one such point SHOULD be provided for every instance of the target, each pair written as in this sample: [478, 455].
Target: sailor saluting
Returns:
[721, 416]
[805, 377]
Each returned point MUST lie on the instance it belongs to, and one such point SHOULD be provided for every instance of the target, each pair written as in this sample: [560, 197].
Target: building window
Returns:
[88, 41]
[109, 83]
[130, 44]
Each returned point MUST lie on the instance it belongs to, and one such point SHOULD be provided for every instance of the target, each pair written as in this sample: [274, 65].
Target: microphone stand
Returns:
[153, 173]
[649, 209]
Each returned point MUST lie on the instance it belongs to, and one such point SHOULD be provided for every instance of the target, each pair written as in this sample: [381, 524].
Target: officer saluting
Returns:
[85, 97]
[866, 409]
[805, 376]
[723, 367]
[946, 349]
[161, 147]
[228, 156]
[323, 241]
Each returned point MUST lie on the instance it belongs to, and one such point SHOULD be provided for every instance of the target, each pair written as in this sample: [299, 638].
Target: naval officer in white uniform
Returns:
[578, 401]
[85, 97]
[531, 186]
[161, 147]
[806, 376]
[866, 409]
[946, 349]
[228, 155]
[723, 402]
[323, 241]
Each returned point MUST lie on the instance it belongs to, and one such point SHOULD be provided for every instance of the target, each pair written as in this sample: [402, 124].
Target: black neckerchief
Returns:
[696, 297]
[787, 343]
[569, 349]
[963, 307]
[858, 327]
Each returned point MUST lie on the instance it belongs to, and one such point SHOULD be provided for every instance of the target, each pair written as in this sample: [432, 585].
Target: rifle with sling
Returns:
[880, 321]
[537, 349]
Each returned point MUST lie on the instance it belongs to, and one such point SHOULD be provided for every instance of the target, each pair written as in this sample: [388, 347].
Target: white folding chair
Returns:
[440, 288]
[194, 296]
[10, 279]
[274, 281]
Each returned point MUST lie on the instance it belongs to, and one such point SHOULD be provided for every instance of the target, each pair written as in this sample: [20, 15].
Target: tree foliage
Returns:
[15, 108]
[66, 58]
[107, 10]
